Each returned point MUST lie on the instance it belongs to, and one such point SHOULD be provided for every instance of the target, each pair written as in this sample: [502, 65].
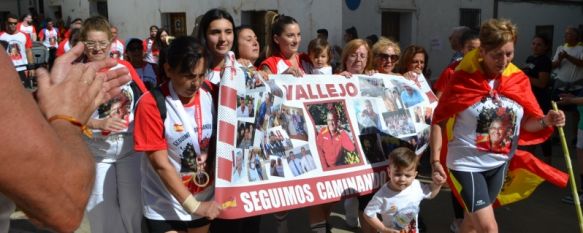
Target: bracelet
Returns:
[435, 161]
[542, 123]
[74, 122]
[190, 204]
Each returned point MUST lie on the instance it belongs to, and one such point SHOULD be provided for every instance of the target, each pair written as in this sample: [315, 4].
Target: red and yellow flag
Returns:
[469, 85]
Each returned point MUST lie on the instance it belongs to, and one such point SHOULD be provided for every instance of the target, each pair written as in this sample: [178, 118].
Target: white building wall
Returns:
[75, 9]
[12, 7]
[134, 17]
[528, 15]
[430, 24]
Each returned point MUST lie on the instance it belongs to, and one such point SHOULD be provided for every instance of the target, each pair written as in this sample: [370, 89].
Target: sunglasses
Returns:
[12, 23]
[386, 57]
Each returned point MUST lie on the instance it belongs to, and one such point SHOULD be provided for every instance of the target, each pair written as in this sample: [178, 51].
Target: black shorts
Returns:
[478, 189]
[364, 200]
[161, 226]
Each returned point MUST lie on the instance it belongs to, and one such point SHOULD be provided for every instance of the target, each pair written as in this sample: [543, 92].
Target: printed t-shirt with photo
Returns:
[151, 134]
[485, 135]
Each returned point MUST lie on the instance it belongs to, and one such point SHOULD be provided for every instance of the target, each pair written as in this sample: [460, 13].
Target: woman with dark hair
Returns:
[135, 55]
[216, 33]
[538, 69]
[246, 45]
[178, 167]
[413, 62]
[114, 203]
[283, 56]
[159, 48]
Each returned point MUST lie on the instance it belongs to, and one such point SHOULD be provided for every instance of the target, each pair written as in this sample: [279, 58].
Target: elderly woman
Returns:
[115, 200]
[385, 55]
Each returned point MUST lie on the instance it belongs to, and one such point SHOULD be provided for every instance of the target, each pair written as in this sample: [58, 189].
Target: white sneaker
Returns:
[569, 199]
[454, 227]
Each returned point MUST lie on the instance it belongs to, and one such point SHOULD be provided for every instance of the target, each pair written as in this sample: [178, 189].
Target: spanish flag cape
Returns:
[469, 85]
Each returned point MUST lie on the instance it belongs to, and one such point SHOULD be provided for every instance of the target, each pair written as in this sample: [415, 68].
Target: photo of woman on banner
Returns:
[392, 100]
[291, 121]
[371, 87]
[368, 120]
[264, 111]
[410, 96]
[335, 145]
[276, 168]
[256, 172]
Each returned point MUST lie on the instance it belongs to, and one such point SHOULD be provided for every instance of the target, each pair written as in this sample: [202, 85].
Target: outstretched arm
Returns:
[47, 170]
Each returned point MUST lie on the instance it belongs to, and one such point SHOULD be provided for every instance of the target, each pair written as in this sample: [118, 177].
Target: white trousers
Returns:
[6, 209]
[115, 204]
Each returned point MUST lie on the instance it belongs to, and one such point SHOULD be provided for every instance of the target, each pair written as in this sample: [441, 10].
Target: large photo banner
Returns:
[290, 142]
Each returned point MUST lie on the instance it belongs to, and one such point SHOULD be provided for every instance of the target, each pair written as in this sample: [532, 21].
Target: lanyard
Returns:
[176, 104]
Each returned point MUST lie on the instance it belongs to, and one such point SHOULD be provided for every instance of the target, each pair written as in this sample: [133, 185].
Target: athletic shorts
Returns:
[478, 190]
[364, 200]
[161, 226]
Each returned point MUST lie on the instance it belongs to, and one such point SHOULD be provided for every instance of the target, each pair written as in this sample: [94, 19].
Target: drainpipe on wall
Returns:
[18, 6]
[495, 9]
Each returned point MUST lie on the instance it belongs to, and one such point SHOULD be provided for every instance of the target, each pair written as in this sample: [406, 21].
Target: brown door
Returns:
[178, 24]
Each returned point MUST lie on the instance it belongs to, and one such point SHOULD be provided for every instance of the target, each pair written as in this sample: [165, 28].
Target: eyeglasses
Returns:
[386, 57]
[96, 44]
[354, 56]
[12, 23]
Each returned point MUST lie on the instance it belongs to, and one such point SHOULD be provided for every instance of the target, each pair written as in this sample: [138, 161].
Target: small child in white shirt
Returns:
[320, 53]
[398, 200]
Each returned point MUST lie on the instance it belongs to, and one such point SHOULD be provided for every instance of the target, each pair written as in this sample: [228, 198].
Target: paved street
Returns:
[543, 212]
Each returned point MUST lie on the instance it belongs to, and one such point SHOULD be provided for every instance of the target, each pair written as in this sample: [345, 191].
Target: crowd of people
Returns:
[153, 159]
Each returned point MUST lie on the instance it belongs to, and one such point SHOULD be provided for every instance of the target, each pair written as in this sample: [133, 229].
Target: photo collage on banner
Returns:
[306, 141]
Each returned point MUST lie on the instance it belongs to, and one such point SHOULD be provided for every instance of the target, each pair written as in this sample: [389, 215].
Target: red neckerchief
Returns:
[469, 85]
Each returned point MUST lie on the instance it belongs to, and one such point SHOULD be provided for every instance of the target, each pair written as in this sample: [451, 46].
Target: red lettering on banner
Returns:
[301, 93]
[270, 198]
[322, 95]
[351, 89]
[289, 91]
[320, 91]
[311, 95]
[331, 90]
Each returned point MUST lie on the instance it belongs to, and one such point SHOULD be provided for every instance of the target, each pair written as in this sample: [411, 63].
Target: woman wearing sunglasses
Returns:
[385, 55]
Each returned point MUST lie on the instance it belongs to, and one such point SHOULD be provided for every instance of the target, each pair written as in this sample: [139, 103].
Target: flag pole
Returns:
[570, 169]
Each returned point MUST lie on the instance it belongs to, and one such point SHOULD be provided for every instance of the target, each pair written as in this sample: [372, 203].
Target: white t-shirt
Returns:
[150, 56]
[50, 37]
[567, 71]
[214, 75]
[121, 106]
[159, 203]
[6, 209]
[117, 49]
[310, 69]
[17, 45]
[323, 70]
[485, 135]
[242, 112]
[399, 210]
